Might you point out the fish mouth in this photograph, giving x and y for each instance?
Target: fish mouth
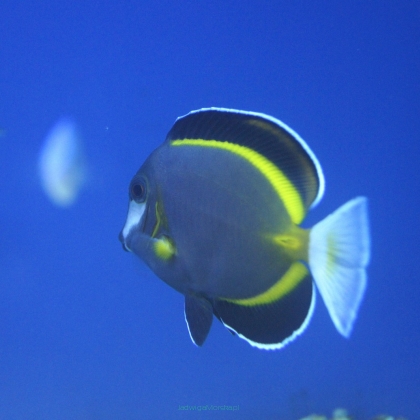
(122, 240)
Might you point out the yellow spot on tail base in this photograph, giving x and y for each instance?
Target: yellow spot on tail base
(294, 243)
(293, 276)
(164, 248)
(281, 184)
(288, 242)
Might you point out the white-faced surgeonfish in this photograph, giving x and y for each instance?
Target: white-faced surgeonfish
(215, 213)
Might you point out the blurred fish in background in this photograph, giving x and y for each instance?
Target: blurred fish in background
(62, 163)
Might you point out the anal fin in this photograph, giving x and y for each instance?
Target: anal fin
(270, 326)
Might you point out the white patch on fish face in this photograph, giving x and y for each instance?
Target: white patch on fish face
(134, 217)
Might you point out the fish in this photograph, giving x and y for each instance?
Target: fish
(62, 163)
(216, 211)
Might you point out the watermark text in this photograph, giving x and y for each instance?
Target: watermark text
(208, 407)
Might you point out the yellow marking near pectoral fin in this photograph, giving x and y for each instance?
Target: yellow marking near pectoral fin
(164, 248)
(284, 188)
(293, 276)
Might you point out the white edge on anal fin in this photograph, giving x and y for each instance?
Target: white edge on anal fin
(339, 252)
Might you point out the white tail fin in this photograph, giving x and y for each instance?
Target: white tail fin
(339, 251)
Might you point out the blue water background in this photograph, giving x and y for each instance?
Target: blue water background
(86, 330)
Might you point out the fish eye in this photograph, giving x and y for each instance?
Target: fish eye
(138, 191)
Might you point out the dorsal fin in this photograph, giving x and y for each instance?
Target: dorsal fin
(266, 135)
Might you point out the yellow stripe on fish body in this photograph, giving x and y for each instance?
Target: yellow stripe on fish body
(286, 191)
(293, 276)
